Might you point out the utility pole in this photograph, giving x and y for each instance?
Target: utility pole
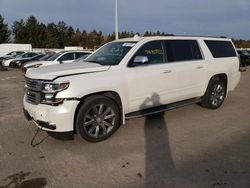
(116, 21)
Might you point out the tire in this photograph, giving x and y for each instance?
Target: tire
(98, 118)
(215, 94)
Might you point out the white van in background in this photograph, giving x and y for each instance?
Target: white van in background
(9, 47)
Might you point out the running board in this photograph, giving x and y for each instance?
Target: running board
(162, 108)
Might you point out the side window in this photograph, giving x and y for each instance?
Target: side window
(221, 48)
(79, 54)
(25, 55)
(182, 50)
(18, 53)
(67, 57)
(153, 50)
(31, 54)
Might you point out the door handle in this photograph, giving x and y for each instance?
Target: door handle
(200, 67)
(166, 71)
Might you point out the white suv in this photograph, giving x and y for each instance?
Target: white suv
(130, 78)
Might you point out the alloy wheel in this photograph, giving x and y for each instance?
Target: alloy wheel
(217, 94)
(99, 120)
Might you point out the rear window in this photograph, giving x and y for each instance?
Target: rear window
(182, 50)
(221, 49)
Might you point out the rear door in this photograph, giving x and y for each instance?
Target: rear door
(187, 69)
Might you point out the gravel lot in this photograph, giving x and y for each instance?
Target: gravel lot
(186, 147)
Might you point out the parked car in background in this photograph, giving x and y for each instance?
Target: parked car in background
(244, 57)
(11, 55)
(44, 58)
(58, 58)
(19, 62)
(26, 55)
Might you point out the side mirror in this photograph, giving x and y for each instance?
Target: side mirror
(140, 60)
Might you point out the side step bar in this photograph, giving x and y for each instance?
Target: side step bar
(162, 108)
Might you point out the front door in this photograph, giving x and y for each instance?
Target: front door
(147, 82)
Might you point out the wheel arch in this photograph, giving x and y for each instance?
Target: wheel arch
(221, 76)
(110, 94)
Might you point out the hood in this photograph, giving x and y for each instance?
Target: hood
(53, 71)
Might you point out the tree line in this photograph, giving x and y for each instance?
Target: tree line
(58, 35)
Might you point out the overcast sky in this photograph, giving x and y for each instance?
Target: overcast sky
(229, 18)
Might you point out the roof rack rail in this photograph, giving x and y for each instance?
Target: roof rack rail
(200, 36)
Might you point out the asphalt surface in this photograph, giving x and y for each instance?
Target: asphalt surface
(186, 147)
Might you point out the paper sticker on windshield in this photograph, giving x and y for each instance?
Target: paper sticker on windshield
(128, 44)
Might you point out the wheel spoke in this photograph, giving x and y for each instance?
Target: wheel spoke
(221, 97)
(86, 123)
(104, 128)
(109, 116)
(107, 124)
(95, 110)
(100, 109)
(219, 88)
(89, 116)
(215, 101)
(107, 111)
(91, 130)
(97, 130)
(109, 129)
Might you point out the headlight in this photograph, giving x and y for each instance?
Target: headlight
(50, 89)
(37, 65)
(4, 62)
(34, 66)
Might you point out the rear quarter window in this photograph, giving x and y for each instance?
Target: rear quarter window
(220, 49)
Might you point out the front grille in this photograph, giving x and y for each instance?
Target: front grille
(35, 85)
(33, 97)
(33, 90)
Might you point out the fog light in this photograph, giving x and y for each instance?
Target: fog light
(49, 96)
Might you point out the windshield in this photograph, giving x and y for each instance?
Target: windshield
(45, 57)
(16, 56)
(53, 57)
(111, 53)
(25, 55)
